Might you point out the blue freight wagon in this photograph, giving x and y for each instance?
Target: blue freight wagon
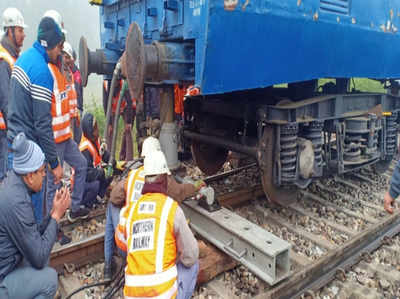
(256, 64)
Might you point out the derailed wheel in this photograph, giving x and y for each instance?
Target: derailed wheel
(267, 156)
(208, 158)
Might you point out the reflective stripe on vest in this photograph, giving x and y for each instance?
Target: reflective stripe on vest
(7, 57)
(59, 106)
(86, 144)
(151, 269)
(171, 293)
(135, 183)
(73, 98)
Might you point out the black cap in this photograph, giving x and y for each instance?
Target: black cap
(49, 33)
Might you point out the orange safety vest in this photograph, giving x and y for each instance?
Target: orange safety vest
(179, 94)
(133, 186)
(151, 270)
(4, 55)
(60, 110)
(72, 96)
(86, 144)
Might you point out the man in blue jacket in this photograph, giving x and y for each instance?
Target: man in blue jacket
(25, 246)
(31, 88)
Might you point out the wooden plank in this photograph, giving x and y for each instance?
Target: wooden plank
(83, 252)
(236, 198)
(212, 262)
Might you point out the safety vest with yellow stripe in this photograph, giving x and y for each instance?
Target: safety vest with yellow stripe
(72, 96)
(60, 110)
(133, 186)
(7, 57)
(86, 144)
(151, 270)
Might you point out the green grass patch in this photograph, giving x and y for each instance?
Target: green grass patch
(361, 84)
(96, 108)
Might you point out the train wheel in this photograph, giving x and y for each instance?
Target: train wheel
(208, 158)
(279, 195)
(382, 166)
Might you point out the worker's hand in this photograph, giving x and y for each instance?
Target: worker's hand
(120, 165)
(103, 148)
(199, 184)
(388, 203)
(108, 171)
(61, 202)
(57, 173)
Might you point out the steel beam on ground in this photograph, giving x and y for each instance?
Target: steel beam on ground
(261, 252)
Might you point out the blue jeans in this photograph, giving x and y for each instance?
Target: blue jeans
(112, 219)
(76, 130)
(90, 194)
(68, 151)
(187, 278)
(3, 154)
(36, 198)
(37, 201)
(26, 282)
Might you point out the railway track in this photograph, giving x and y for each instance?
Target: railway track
(333, 225)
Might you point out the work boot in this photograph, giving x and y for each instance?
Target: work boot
(62, 238)
(82, 213)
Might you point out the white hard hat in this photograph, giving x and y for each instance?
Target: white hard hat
(12, 17)
(155, 163)
(68, 49)
(150, 144)
(55, 15)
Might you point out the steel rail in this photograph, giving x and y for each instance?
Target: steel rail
(324, 270)
(78, 253)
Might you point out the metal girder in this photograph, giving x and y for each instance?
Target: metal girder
(266, 255)
(328, 107)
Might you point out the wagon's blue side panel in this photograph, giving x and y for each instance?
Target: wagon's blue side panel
(246, 44)
(271, 42)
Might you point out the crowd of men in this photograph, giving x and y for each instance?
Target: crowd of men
(41, 127)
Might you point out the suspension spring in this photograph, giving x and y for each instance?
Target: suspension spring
(288, 152)
(313, 132)
(391, 134)
(352, 147)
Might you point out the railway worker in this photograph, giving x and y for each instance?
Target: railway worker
(96, 181)
(31, 89)
(78, 85)
(128, 112)
(10, 47)
(394, 190)
(67, 149)
(68, 65)
(24, 245)
(162, 253)
(129, 190)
